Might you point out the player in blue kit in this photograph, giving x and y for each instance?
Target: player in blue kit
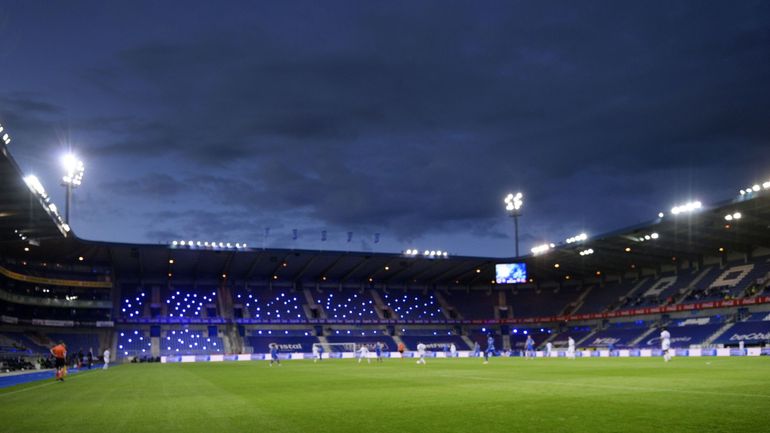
(274, 354)
(378, 351)
(530, 347)
(490, 349)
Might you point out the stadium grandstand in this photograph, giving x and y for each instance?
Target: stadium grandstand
(703, 271)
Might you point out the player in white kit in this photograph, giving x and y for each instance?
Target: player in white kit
(453, 350)
(548, 348)
(570, 348)
(363, 353)
(315, 353)
(421, 353)
(106, 359)
(665, 344)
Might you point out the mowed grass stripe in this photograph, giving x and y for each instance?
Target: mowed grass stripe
(446, 395)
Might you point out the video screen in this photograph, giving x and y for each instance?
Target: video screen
(511, 273)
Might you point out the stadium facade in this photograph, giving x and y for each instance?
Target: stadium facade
(702, 271)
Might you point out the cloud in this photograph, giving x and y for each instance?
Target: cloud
(415, 121)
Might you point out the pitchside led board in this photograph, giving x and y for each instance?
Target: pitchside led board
(511, 273)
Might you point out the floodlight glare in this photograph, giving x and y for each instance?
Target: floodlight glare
(73, 170)
(755, 188)
(34, 184)
(687, 207)
(513, 204)
(766, 185)
(73, 177)
(541, 248)
(579, 238)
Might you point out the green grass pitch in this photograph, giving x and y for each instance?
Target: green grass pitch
(446, 395)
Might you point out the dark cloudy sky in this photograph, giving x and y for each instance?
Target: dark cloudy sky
(212, 121)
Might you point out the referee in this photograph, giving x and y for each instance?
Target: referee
(59, 353)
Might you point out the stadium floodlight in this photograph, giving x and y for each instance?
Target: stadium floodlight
(686, 208)
(6, 137)
(34, 184)
(766, 185)
(541, 248)
(755, 188)
(579, 238)
(661, 214)
(587, 252)
(73, 177)
(513, 204)
(733, 216)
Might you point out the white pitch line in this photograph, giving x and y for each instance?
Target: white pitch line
(619, 387)
(3, 394)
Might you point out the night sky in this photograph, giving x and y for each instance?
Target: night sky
(408, 119)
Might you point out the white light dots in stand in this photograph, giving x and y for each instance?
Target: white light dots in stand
(733, 216)
(587, 252)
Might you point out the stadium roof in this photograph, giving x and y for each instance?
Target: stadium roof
(683, 238)
(24, 213)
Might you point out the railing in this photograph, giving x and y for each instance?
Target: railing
(54, 281)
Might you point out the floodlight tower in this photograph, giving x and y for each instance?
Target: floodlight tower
(513, 205)
(73, 177)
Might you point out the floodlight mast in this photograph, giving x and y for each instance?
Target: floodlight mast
(513, 204)
(73, 176)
